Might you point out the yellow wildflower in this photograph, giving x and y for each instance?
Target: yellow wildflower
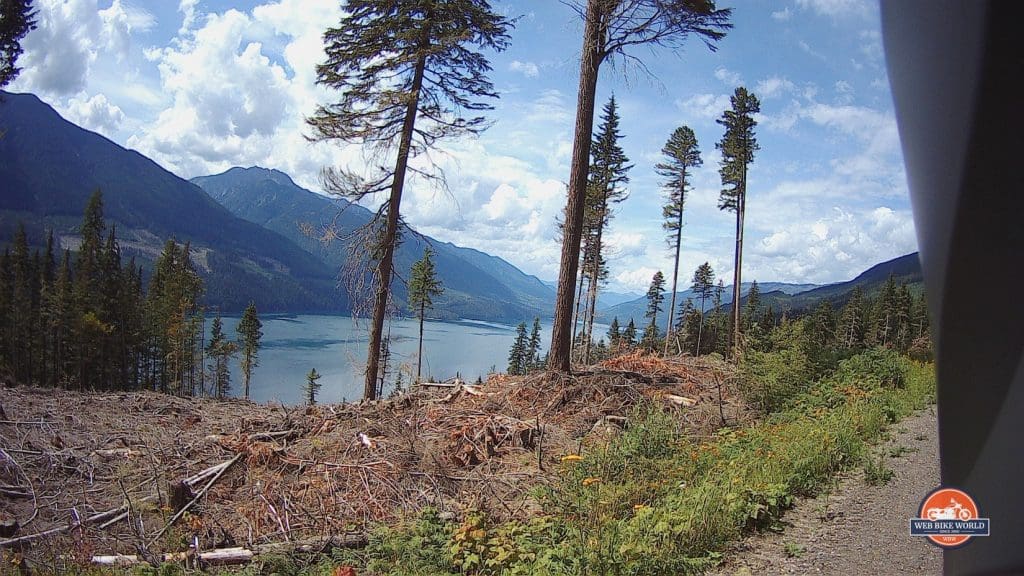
(572, 458)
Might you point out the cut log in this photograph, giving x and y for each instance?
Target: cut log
(680, 400)
(239, 555)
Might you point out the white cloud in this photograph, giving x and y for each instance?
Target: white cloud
(773, 87)
(95, 113)
(840, 244)
(704, 106)
(844, 92)
(836, 8)
(528, 69)
(782, 15)
(729, 77)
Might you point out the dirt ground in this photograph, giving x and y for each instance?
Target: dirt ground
(856, 529)
(143, 473)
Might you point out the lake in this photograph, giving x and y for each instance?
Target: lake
(336, 347)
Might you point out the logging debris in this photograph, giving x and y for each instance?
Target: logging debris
(141, 475)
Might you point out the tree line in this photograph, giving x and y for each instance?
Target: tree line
(82, 318)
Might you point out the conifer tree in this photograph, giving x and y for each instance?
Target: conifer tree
(17, 19)
(614, 334)
(682, 156)
(220, 350)
(702, 285)
(629, 334)
(655, 296)
(852, 326)
(517, 355)
(608, 174)
(533, 347)
(753, 305)
(737, 145)
(249, 334)
(406, 71)
(312, 387)
(612, 28)
(424, 286)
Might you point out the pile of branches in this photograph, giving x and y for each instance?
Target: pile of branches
(147, 475)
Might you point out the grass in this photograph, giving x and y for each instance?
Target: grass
(794, 550)
(653, 502)
(876, 473)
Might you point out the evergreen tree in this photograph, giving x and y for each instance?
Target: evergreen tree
(852, 327)
(249, 334)
(629, 334)
(608, 174)
(312, 387)
(883, 320)
(220, 350)
(655, 296)
(753, 305)
(614, 334)
(702, 285)
(682, 156)
(20, 315)
(406, 70)
(533, 347)
(424, 286)
(17, 19)
(738, 145)
(517, 356)
(820, 330)
(613, 28)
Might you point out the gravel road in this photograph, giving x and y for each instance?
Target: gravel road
(856, 529)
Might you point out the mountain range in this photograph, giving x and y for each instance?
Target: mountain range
(249, 231)
(476, 285)
(244, 234)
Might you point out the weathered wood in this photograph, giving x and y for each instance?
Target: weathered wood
(223, 468)
(239, 555)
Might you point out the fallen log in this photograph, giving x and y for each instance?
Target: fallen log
(223, 468)
(238, 555)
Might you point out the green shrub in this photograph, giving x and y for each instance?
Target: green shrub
(772, 379)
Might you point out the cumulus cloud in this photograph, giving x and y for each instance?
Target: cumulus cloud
(528, 69)
(96, 113)
(704, 106)
(729, 77)
(782, 15)
(773, 87)
(69, 39)
(840, 244)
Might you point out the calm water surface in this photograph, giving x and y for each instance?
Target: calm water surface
(336, 347)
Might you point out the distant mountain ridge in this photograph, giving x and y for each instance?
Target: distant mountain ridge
(637, 307)
(49, 167)
(477, 285)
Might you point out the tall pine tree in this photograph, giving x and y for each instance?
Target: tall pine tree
(737, 146)
(249, 334)
(406, 71)
(424, 286)
(682, 155)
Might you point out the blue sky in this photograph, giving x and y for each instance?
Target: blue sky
(201, 85)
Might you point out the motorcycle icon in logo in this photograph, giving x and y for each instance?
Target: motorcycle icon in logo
(955, 511)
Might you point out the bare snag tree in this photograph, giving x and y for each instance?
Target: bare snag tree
(613, 27)
(410, 73)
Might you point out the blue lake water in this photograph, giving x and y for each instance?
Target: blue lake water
(336, 347)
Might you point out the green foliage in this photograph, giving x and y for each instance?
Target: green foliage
(16, 20)
(249, 333)
(771, 379)
(876, 473)
(518, 355)
(312, 386)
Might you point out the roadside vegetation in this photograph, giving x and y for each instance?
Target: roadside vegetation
(656, 499)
